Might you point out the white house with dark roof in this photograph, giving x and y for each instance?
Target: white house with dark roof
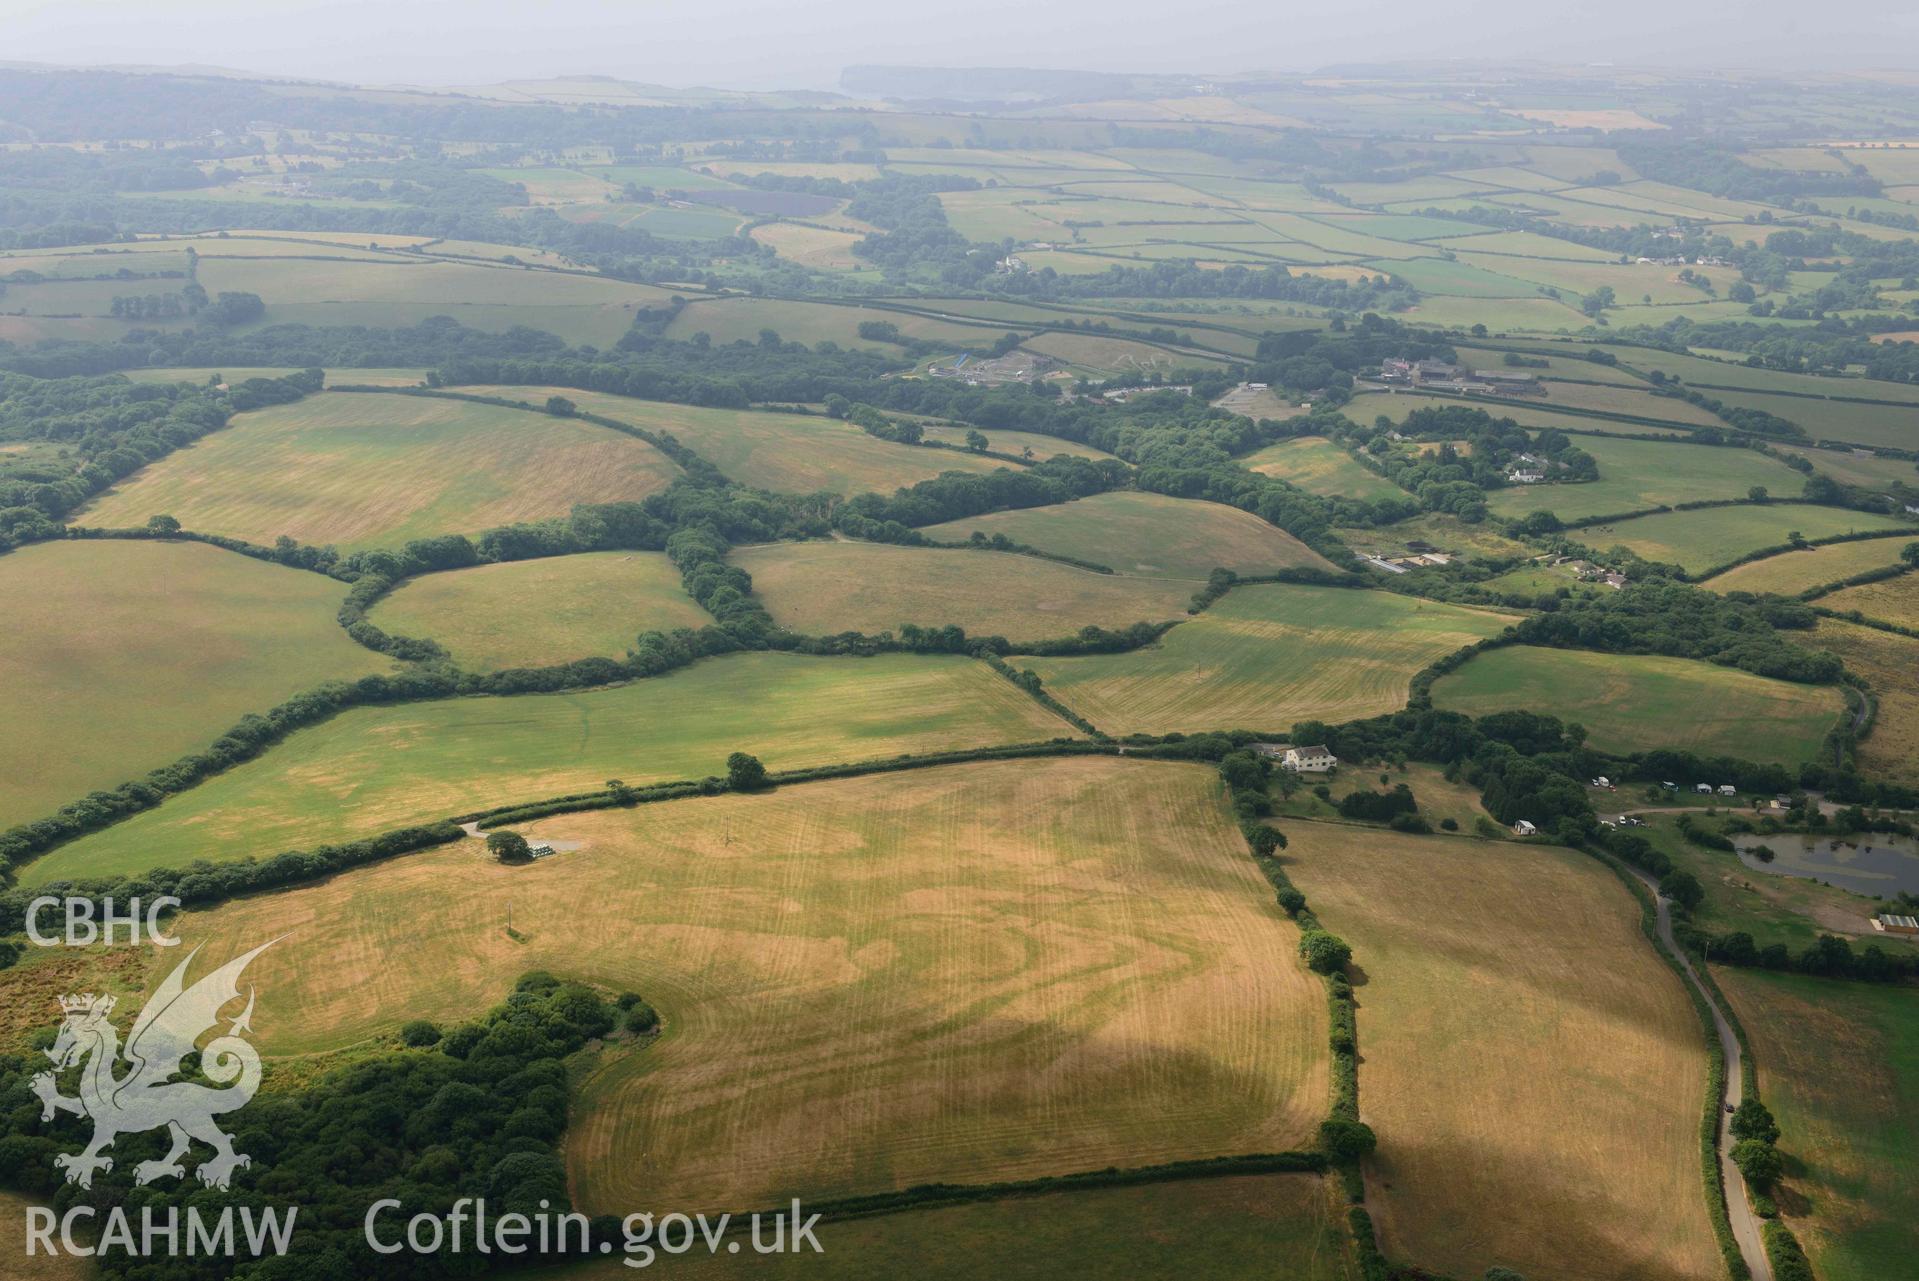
(1309, 760)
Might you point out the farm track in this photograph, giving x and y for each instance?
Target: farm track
(1745, 1224)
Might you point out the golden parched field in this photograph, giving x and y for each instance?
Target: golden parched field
(1151, 535)
(119, 657)
(981, 972)
(1890, 662)
(532, 613)
(1533, 1070)
(1266, 656)
(371, 769)
(789, 453)
(363, 470)
(1891, 600)
(1790, 573)
(822, 588)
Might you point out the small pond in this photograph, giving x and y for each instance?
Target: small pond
(1866, 863)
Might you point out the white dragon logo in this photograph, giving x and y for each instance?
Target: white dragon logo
(146, 1097)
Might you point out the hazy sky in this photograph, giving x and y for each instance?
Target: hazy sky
(804, 43)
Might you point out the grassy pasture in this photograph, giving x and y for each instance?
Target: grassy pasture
(1316, 464)
(792, 453)
(817, 247)
(1446, 278)
(1839, 1067)
(1013, 442)
(1790, 573)
(987, 971)
(1636, 474)
(1446, 532)
(827, 587)
(1265, 657)
(1396, 405)
(1099, 354)
(1891, 600)
(729, 320)
(364, 377)
(1701, 539)
(1894, 425)
(1534, 1072)
(1501, 315)
(1238, 1229)
(1635, 702)
(364, 470)
(1891, 663)
(1150, 535)
(1633, 401)
(333, 291)
(532, 613)
(375, 768)
(1560, 363)
(121, 656)
(1868, 471)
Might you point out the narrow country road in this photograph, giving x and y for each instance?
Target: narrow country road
(1745, 1224)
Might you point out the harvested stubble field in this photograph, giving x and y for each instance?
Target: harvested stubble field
(1012, 442)
(121, 656)
(1839, 1067)
(1147, 534)
(1638, 702)
(1708, 537)
(363, 470)
(1515, 1027)
(1891, 600)
(1890, 662)
(1790, 573)
(533, 613)
(788, 453)
(1236, 1229)
(1638, 474)
(1266, 656)
(823, 588)
(1317, 465)
(988, 971)
(371, 769)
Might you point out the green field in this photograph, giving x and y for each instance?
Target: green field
(120, 657)
(533, 613)
(1790, 573)
(822, 588)
(1839, 1067)
(1435, 529)
(1890, 662)
(363, 377)
(1636, 702)
(1533, 1071)
(337, 290)
(988, 971)
(370, 470)
(1021, 443)
(1698, 541)
(1637, 474)
(374, 768)
(1267, 656)
(1146, 534)
(732, 320)
(1856, 424)
(1237, 1229)
(1367, 406)
(788, 453)
(1319, 466)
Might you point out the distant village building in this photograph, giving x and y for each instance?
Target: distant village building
(1507, 383)
(1727, 789)
(1893, 923)
(1525, 476)
(1309, 760)
(1524, 828)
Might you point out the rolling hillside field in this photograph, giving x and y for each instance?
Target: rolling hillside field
(535, 613)
(1710, 537)
(1266, 656)
(1150, 535)
(121, 656)
(1790, 573)
(790, 453)
(1890, 662)
(1513, 1024)
(373, 470)
(986, 971)
(374, 768)
(1839, 1067)
(1319, 466)
(822, 588)
(1235, 1229)
(1635, 702)
(1637, 474)
(1891, 600)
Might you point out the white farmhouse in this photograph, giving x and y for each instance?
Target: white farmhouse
(1524, 828)
(1309, 760)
